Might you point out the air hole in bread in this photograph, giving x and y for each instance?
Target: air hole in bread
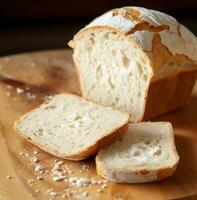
(112, 86)
(136, 153)
(113, 52)
(50, 107)
(147, 142)
(158, 152)
(125, 62)
(106, 36)
(117, 99)
(139, 67)
(71, 126)
(40, 132)
(145, 77)
(99, 71)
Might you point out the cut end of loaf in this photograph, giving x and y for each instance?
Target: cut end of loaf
(112, 71)
(71, 127)
(146, 153)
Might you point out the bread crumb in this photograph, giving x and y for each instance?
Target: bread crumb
(35, 160)
(53, 194)
(99, 191)
(19, 90)
(39, 169)
(104, 186)
(39, 178)
(8, 177)
(30, 181)
(80, 182)
(30, 96)
(85, 194)
(58, 178)
(35, 152)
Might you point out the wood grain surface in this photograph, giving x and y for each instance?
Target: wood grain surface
(25, 82)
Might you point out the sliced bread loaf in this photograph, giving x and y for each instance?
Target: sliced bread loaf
(131, 57)
(71, 127)
(145, 153)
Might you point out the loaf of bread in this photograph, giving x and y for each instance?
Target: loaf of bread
(71, 127)
(140, 61)
(146, 153)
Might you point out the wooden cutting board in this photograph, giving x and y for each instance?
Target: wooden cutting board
(25, 81)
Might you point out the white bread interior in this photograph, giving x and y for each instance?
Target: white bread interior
(122, 52)
(145, 153)
(71, 127)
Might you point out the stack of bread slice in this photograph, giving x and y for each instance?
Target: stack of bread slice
(135, 64)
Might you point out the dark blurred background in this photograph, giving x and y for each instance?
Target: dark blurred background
(29, 25)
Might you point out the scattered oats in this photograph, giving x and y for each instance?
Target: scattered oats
(37, 191)
(39, 169)
(8, 177)
(85, 194)
(8, 94)
(46, 171)
(19, 90)
(39, 178)
(21, 153)
(26, 154)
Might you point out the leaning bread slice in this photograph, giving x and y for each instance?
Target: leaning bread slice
(71, 127)
(145, 153)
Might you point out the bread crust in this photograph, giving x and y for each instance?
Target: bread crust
(167, 94)
(177, 87)
(143, 174)
(109, 137)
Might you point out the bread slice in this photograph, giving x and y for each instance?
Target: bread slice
(146, 153)
(71, 127)
(131, 57)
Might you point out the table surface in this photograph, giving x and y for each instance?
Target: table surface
(25, 81)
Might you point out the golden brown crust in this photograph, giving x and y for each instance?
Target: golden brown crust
(168, 94)
(166, 172)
